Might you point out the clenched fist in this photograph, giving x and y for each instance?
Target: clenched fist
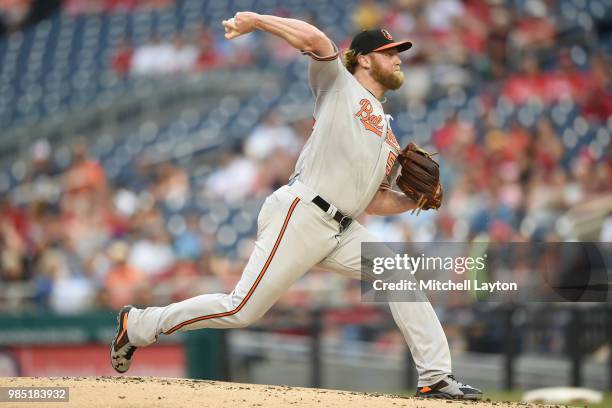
(242, 23)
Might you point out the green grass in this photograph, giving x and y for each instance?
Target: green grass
(515, 396)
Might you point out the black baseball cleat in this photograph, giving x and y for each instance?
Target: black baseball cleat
(122, 350)
(449, 388)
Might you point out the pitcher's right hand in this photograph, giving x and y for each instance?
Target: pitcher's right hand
(242, 23)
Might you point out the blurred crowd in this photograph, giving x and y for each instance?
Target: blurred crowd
(78, 7)
(71, 238)
(181, 54)
(13, 13)
(16, 15)
(76, 238)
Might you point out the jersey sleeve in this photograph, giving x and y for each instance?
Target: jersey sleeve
(324, 71)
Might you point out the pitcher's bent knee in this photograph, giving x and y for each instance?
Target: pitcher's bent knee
(246, 317)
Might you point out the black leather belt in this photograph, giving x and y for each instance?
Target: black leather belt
(342, 219)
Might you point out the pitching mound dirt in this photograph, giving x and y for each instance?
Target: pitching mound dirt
(124, 392)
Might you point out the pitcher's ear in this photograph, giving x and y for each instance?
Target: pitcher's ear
(364, 61)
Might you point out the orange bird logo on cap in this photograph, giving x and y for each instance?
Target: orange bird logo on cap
(386, 34)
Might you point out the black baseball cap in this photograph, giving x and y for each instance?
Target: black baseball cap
(377, 39)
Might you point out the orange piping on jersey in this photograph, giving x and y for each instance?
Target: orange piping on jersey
(259, 277)
(317, 58)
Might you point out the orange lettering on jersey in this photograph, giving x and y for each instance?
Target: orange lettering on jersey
(391, 140)
(369, 121)
(390, 162)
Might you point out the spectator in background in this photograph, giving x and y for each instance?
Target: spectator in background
(400, 19)
(207, 55)
(598, 103)
(183, 280)
(274, 147)
(591, 179)
(44, 227)
(120, 6)
(72, 295)
(233, 166)
(122, 59)
(496, 48)
(84, 181)
(40, 182)
(122, 279)
(154, 4)
(13, 253)
(85, 223)
(455, 133)
(13, 13)
(467, 35)
(274, 171)
(545, 196)
(86, 204)
(442, 14)
(567, 81)
(528, 84)
(185, 55)
(49, 267)
(126, 203)
(189, 244)
(152, 252)
(367, 15)
(156, 57)
(63, 290)
(548, 149)
(494, 214)
(535, 31)
(147, 217)
(237, 53)
(13, 218)
(77, 7)
(139, 176)
(172, 186)
(42, 165)
(270, 135)
(85, 174)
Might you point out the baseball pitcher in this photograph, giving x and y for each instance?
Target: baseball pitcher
(346, 167)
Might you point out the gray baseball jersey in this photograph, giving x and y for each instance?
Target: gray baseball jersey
(348, 156)
(345, 161)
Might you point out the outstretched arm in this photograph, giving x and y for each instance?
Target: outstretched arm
(389, 202)
(301, 35)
